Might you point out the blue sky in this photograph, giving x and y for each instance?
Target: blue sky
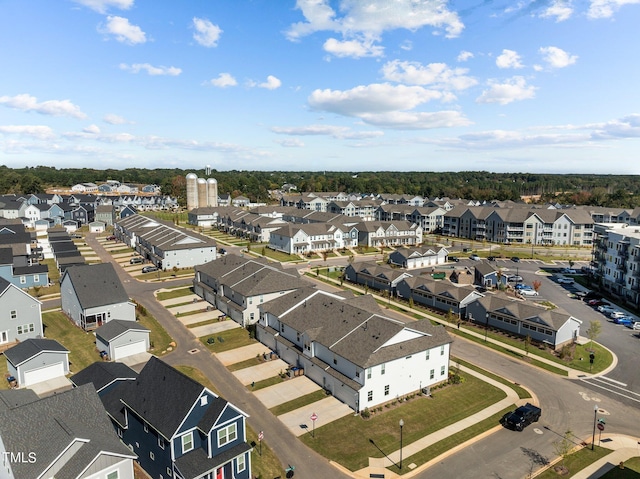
(350, 85)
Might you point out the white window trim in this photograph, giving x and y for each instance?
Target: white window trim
(227, 429)
(241, 463)
(189, 437)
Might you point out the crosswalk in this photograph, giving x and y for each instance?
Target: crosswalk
(613, 387)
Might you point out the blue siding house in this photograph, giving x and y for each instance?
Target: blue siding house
(179, 428)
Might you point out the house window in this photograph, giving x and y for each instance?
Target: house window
(152, 456)
(432, 374)
(169, 473)
(36, 278)
(442, 371)
(357, 374)
(14, 314)
(370, 396)
(146, 427)
(204, 400)
(23, 280)
(160, 442)
(31, 328)
(187, 442)
(382, 368)
(442, 350)
(19, 329)
(386, 390)
(241, 463)
(368, 373)
(227, 434)
(113, 475)
(427, 355)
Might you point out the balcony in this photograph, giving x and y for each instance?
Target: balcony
(621, 267)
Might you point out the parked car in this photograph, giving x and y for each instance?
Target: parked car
(596, 302)
(491, 258)
(635, 326)
(111, 238)
(454, 259)
(616, 314)
(581, 294)
(222, 251)
(606, 309)
(565, 280)
(521, 417)
(625, 320)
(528, 292)
(515, 278)
(136, 260)
(569, 271)
(592, 295)
(149, 269)
(474, 257)
(515, 259)
(522, 286)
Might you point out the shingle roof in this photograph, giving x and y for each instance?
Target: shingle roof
(101, 374)
(116, 327)
(196, 464)
(96, 285)
(49, 426)
(29, 348)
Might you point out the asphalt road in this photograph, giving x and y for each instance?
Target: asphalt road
(567, 405)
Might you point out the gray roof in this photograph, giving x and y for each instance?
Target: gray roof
(358, 334)
(96, 285)
(117, 327)
(12, 398)
(49, 426)
(196, 464)
(101, 374)
(30, 348)
(441, 288)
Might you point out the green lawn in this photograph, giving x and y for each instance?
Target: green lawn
(176, 292)
(3, 371)
(347, 439)
(232, 338)
(577, 461)
(158, 337)
(631, 470)
(81, 344)
(244, 364)
(522, 392)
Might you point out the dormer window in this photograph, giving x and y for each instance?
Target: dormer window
(187, 442)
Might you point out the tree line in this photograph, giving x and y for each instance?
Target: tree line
(596, 190)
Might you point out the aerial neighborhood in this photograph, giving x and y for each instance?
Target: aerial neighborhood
(339, 302)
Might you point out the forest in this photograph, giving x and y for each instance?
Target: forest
(597, 190)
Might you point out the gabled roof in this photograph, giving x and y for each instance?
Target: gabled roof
(117, 327)
(102, 374)
(29, 348)
(441, 287)
(50, 426)
(485, 268)
(96, 285)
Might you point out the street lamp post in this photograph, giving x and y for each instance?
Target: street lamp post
(401, 425)
(595, 416)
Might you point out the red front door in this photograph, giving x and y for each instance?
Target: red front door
(219, 474)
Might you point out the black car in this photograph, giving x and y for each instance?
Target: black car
(521, 417)
(222, 251)
(454, 259)
(491, 258)
(515, 259)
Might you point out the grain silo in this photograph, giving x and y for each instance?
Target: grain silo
(202, 192)
(192, 191)
(212, 192)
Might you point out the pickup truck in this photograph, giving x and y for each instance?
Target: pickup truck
(521, 417)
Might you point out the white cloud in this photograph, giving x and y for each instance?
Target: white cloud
(93, 129)
(26, 102)
(561, 10)
(290, 143)
(557, 58)
(625, 127)
(123, 30)
(113, 119)
(150, 69)
(338, 132)
(374, 98)
(464, 56)
(353, 48)
(101, 6)
(223, 80)
(606, 8)
(508, 59)
(512, 90)
(206, 33)
(407, 45)
(408, 120)
(39, 132)
(272, 83)
(438, 75)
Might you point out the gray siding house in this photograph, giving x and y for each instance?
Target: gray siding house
(20, 315)
(121, 339)
(36, 360)
(441, 295)
(92, 295)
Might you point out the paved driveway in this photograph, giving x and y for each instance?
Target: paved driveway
(213, 328)
(241, 354)
(327, 410)
(286, 391)
(262, 371)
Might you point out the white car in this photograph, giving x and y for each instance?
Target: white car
(528, 292)
(606, 309)
(565, 280)
(569, 271)
(616, 314)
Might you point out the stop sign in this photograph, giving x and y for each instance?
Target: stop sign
(314, 416)
(600, 426)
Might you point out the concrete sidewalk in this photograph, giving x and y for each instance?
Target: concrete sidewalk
(623, 448)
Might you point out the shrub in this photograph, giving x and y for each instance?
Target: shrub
(365, 413)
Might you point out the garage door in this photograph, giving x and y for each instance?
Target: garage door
(43, 374)
(129, 349)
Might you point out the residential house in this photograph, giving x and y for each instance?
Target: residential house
(349, 347)
(85, 188)
(237, 286)
(418, 257)
(177, 427)
(553, 327)
(20, 315)
(92, 295)
(67, 435)
(106, 214)
(375, 234)
(36, 360)
(488, 276)
(375, 276)
(240, 201)
(311, 237)
(104, 376)
(437, 294)
(16, 270)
